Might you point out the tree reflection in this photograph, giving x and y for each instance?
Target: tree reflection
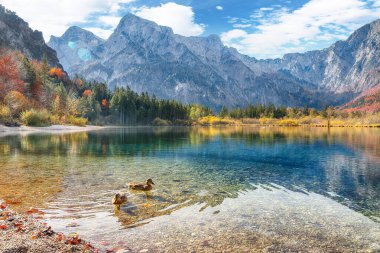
(193, 165)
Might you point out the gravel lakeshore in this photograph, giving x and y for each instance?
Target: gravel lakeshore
(21, 233)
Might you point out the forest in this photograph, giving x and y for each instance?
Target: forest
(33, 93)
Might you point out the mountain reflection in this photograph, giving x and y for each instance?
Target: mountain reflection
(193, 165)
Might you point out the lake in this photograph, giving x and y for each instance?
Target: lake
(227, 189)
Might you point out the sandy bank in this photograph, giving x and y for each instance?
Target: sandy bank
(23, 130)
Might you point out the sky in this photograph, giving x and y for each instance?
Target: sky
(259, 28)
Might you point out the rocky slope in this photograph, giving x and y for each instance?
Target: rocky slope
(15, 34)
(346, 66)
(368, 101)
(151, 58)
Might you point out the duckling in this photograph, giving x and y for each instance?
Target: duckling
(147, 186)
(119, 199)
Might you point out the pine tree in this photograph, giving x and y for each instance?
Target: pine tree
(223, 112)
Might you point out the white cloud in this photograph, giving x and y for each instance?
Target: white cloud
(233, 37)
(317, 22)
(376, 3)
(219, 8)
(266, 9)
(241, 25)
(179, 17)
(54, 17)
(102, 33)
(111, 21)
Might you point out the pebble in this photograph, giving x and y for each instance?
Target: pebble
(206, 243)
(123, 251)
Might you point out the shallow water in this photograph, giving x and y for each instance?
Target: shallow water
(230, 189)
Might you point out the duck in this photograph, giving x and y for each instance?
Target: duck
(119, 199)
(147, 186)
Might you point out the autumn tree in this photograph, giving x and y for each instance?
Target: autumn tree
(57, 73)
(9, 76)
(105, 107)
(86, 93)
(16, 101)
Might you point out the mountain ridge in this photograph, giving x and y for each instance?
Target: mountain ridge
(17, 35)
(148, 57)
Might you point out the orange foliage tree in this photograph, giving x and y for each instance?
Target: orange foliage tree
(104, 103)
(87, 93)
(104, 107)
(9, 76)
(56, 72)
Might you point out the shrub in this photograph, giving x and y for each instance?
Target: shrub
(182, 122)
(77, 121)
(35, 118)
(214, 120)
(5, 113)
(161, 122)
(55, 119)
(267, 121)
(288, 122)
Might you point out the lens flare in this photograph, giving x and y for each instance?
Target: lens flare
(84, 54)
(71, 44)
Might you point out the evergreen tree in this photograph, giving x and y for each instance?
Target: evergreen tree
(30, 75)
(223, 112)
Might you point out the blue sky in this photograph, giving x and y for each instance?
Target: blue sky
(260, 28)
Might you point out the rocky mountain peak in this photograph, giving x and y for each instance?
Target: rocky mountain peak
(17, 35)
(77, 33)
(75, 47)
(131, 23)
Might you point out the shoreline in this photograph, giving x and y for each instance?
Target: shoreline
(284, 125)
(26, 232)
(62, 129)
(24, 130)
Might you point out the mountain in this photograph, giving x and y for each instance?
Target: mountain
(75, 47)
(346, 66)
(368, 101)
(16, 35)
(149, 57)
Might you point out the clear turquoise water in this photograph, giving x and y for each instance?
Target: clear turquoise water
(236, 189)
